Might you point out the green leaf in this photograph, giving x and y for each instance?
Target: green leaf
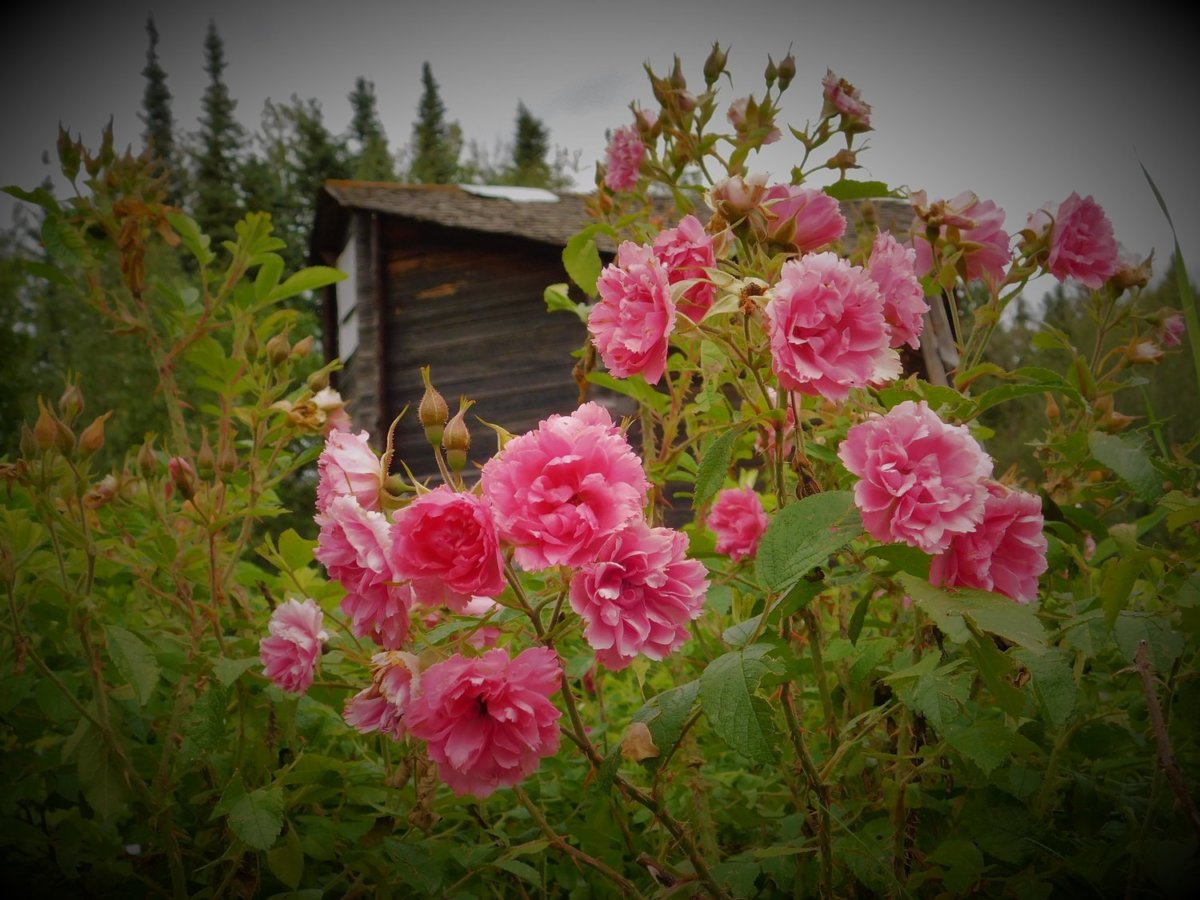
(267, 279)
(134, 661)
(738, 634)
(581, 259)
(230, 670)
(64, 243)
(193, 238)
(847, 189)
(295, 550)
(1117, 576)
(741, 718)
(522, 870)
(101, 776)
(557, 300)
(713, 466)
(803, 535)
(309, 279)
(937, 694)
(45, 271)
(903, 557)
(257, 817)
(1129, 461)
(287, 860)
(963, 863)
(665, 715)
(39, 196)
(987, 743)
(995, 667)
(635, 387)
(1165, 642)
(1015, 622)
(1053, 682)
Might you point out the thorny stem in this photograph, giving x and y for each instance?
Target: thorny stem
(817, 786)
(814, 644)
(1166, 753)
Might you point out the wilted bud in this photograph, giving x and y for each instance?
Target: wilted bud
(842, 160)
(456, 439)
(302, 347)
(92, 438)
(183, 476)
(786, 71)
(205, 460)
(45, 429)
(147, 459)
(1144, 353)
(101, 493)
(714, 65)
(638, 744)
(433, 411)
(278, 349)
(70, 404)
(772, 72)
(1134, 274)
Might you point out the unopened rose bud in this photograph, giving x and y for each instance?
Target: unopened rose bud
(318, 381)
(70, 404)
(1053, 413)
(29, 444)
(92, 438)
(147, 459)
(227, 460)
(772, 72)
(714, 65)
(787, 71)
(251, 345)
(678, 82)
(456, 439)
(205, 460)
(302, 347)
(278, 350)
(45, 429)
(183, 476)
(64, 437)
(433, 411)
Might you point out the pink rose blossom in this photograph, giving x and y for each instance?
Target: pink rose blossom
(1171, 329)
(1082, 245)
(738, 520)
(1005, 553)
(891, 267)
(445, 542)
(330, 404)
(488, 722)
(380, 611)
(624, 159)
(744, 116)
(395, 680)
(685, 252)
(559, 491)
(290, 654)
(632, 323)
(802, 218)
(826, 326)
(921, 481)
(348, 467)
(981, 236)
(639, 594)
(841, 97)
(737, 198)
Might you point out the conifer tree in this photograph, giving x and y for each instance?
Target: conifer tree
(216, 157)
(156, 114)
(530, 146)
(435, 143)
(372, 161)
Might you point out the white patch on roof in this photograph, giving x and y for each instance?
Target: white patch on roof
(511, 192)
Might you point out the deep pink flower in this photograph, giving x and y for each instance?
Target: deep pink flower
(981, 235)
(445, 542)
(290, 654)
(632, 323)
(803, 218)
(826, 326)
(1082, 245)
(685, 252)
(559, 491)
(921, 481)
(348, 467)
(379, 610)
(639, 594)
(488, 722)
(395, 679)
(891, 267)
(1005, 553)
(624, 159)
(738, 520)
(841, 97)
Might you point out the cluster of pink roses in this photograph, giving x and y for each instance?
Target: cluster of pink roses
(928, 484)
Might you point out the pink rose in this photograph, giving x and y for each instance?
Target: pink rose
(685, 252)
(348, 467)
(842, 98)
(921, 481)
(445, 542)
(559, 491)
(1171, 328)
(1082, 245)
(738, 520)
(736, 198)
(745, 117)
(488, 722)
(826, 327)
(891, 267)
(330, 404)
(624, 159)
(802, 218)
(1005, 553)
(639, 594)
(395, 679)
(289, 656)
(632, 323)
(380, 611)
(981, 235)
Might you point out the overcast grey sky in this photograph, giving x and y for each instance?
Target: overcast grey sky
(1022, 103)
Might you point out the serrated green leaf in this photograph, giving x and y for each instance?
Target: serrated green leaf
(267, 279)
(197, 243)
(39, 196)
(581, 259)
(286, 861)
(1053, 682)
(1015, 622)
(134, 661)
(1165, 642)
(736, 713)
(937, 694)
(665, 715)
(988, 743)
(996, 667)
(803, 535)
(296, 551)
(713, 465)
(228, 671)
(848, 189)
(1129, 461)
(310, 279)
(522, 870)
(100, 776)
(257, 817)
(635, 387)
(736, 635)
(64, 243)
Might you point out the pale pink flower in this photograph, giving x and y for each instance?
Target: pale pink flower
(1144, 353)
(639, 594)
(743, 115)
(1171, 329)
(841, 97)
(891, 267)
(445, 542)
(921, 481)
(1082, 245)
(736, 198)
(331, 405)
(488, 722)
(624, 159)
(348, 467)
(802, 218)
(632, 323)
(1005, 553)
(685, 252)
(289, 656)
(559, 491)
(826, 327)
(395, 680)
(738, 520)
(981, 235)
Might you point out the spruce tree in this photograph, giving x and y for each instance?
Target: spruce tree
(435, 143)
(156, 114)
(372, 161)
(216, 202)
(530, 146)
